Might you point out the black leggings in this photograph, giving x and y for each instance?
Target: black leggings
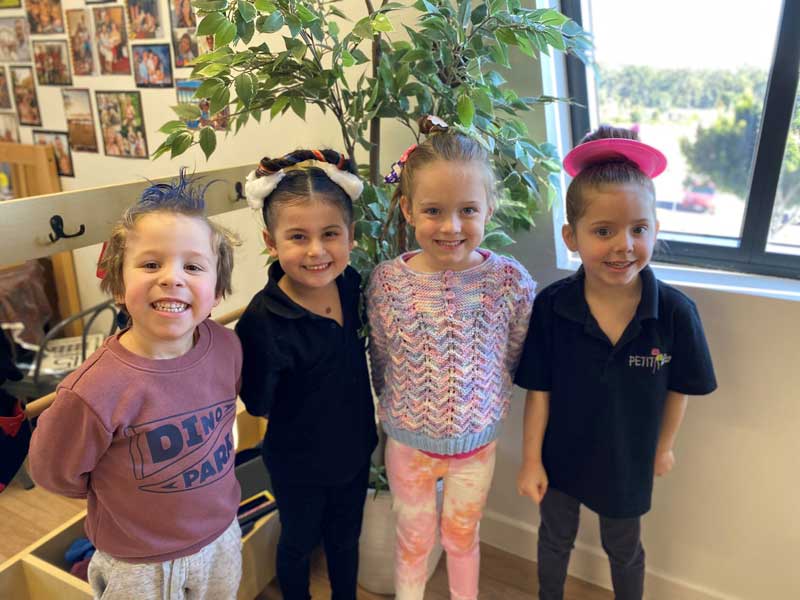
(310, 514)
(621, 541)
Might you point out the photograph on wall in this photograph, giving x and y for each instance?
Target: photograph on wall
(80, 42)
(45, 16)
(80, 120)
(151, 65)
(14, 40)
(25, 96)
(112, 40)
(5, 92)
(58, 141)
(184, 44)
(144, 19)
(182, 14)
(52, 62)
(185, 89)
(122, 124)
(10, 3)
(9, 128)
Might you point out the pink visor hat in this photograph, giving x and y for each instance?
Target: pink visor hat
(649, 160)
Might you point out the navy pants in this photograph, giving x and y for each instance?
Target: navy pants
(621, 541)
(312, 513)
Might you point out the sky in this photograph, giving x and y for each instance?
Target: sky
(685, 33)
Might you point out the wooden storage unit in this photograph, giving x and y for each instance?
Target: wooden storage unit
(40, 572)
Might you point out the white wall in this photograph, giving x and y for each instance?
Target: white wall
(723, 523)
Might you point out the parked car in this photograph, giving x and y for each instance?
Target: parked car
(699, 198)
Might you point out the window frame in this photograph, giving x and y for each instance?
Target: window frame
(750, 256)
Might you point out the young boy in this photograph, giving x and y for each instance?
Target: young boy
(143, 429)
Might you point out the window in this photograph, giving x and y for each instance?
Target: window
(713, 85)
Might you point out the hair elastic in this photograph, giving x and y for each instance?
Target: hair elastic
(649, 160)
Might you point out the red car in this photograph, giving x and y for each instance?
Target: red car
(699, 198)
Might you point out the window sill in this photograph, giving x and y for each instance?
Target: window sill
(734, 283)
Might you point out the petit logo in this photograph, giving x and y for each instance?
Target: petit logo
(654, 361)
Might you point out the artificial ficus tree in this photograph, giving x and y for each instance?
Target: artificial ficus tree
(362, 69)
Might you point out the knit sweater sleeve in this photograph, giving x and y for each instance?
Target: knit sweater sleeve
(521, 315)
(378, 340)
(67, 444)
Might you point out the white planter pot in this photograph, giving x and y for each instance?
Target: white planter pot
(376, 546)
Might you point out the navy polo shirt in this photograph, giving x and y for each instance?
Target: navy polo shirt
(607, 401)
(309, 376)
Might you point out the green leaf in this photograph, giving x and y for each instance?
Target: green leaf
(466, 110)
(496, 239)
(210, 5)
(211, 23)
(225, 34)
(464, 12)
(482, 101)
(213, 69)
(162, 149)
(266, 6)
(245, 86)
(347, 59)
(270, 24)
(181, 143)
(296, 47)
(415, 54)
(219, 101)
(299, 107)
(363, 28)
(381, 23)
(294, 24)
(553, 18)
(209, 87)
(278, 105)
(208, 141)
(246, 10)
(171, 126)
(360, 57)
(245, 30)
(186, 111)
(306, 16)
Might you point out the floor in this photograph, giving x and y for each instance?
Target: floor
(26, 515)
(504, 576)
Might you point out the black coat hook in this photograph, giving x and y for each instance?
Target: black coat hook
(57, 225)
(239, 195)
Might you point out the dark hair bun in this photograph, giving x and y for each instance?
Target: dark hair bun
(605, 132)
(430, 124)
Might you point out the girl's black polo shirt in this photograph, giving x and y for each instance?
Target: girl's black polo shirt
(606, 402)
(309, 376)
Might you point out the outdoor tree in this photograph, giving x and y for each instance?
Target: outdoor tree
(724, 153)
(361, 69)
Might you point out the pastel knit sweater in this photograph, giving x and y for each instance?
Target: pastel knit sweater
(444, 347)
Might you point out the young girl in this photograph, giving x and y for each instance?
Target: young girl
(447, 323)
(609, 359)
(305, 366)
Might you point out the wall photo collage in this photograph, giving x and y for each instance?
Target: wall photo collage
(60, 42)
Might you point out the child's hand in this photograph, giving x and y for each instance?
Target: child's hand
(532, 481)
(665, 460)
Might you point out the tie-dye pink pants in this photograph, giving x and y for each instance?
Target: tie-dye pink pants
(412, 478)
